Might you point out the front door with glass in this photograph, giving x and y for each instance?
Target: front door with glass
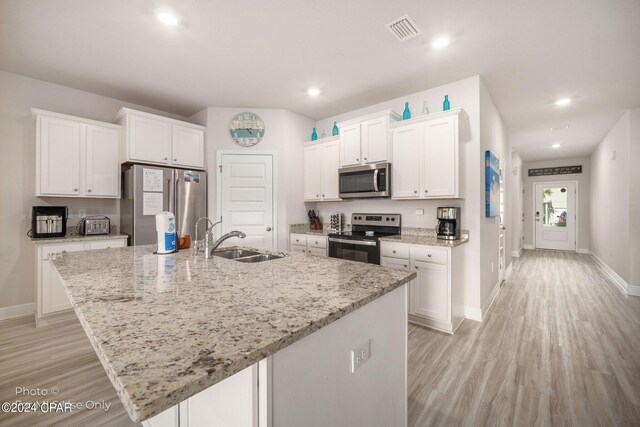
(555, 215)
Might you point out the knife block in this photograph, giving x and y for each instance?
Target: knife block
(315, 224)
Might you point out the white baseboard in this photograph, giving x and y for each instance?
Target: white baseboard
(516, 254)
(622, 284)
(528, 247)
(15, 311)
(478, 315)
(508, 271)
(583, 251)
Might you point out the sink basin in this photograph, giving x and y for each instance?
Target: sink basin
(235, 253)
(259, 258)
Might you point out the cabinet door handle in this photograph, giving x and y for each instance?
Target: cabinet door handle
(89, 190)
(175, 160)
(416, 267)
(426, 191)
(365, 159)
(268, 228)
(165, 158)
(75, 189)
(394, 251)
(415, 191)
(323, 195)
(405, 266)
(357, 160)
(429, 255)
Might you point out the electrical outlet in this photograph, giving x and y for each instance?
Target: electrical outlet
(360, 355)
(419, 212)
(82, 213)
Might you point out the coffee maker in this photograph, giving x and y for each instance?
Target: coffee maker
(448, 223)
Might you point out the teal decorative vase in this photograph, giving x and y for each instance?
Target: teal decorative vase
(406, 115)
(445, 105)
(314, 135)
(335, 131)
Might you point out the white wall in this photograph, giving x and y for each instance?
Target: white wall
(466, 94)
(584, 196)
(517, 201)
(493, 136)
(284, 134)
(610, 191)
(634, 197)
(17, 182)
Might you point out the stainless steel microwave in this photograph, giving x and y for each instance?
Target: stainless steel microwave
(365, 181)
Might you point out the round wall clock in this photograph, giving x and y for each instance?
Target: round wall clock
(246, 129)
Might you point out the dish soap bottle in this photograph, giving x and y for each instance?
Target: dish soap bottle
(406, 115)
(334, 132)
(445, 105)
(314, 135)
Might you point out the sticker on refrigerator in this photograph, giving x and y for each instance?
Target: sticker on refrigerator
(192, 177)
(151, 203)
(152, 180)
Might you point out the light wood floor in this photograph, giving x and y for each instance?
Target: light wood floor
(560, 346)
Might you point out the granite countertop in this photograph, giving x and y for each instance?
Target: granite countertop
(167, 327)
(410, 235)
(69, 238)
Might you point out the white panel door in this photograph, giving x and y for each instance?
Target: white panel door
(246, 197)
(148, 139)
(350, 145)
(59, 151)
(187, 146)
(375, 140)
(102, 162)
(440, 166)
(430, 291)
(555, 215)
(406, 145)
(312, 173)
(330, 163)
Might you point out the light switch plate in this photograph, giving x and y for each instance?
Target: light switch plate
(419, 212)
(360, 355)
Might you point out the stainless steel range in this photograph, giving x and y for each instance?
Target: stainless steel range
(362, 243)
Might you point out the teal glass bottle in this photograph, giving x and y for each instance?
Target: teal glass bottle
(314, 135)
(445, 105)
(406, 115)
(334, 132)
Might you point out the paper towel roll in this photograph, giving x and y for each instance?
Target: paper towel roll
(165, 233)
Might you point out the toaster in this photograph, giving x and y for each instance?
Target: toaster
(91, 226)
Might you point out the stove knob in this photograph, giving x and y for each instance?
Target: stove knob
(387, 218)
(393, 219)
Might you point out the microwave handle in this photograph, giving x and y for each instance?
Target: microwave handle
(375, 180)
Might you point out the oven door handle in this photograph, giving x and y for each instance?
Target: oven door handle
(354, 242)
(375, 180)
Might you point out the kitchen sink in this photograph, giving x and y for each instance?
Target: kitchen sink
(259, 258)
(235, 253)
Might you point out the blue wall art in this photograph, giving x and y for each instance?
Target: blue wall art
(492, 184)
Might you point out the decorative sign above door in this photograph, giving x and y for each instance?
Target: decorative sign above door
(558, 170)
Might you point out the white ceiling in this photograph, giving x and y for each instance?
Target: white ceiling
(267, 53)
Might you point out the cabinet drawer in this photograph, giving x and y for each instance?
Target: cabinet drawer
(394, 250)
(322, 252)
(105, 244)
(299, 248)
(316, 242)
(429, 254)
(395, 263)
(54, 249)
(298, 239)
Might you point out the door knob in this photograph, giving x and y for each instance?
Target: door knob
(269, 229)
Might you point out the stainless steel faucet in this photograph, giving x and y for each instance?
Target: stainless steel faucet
(207, 236)
(229, 235)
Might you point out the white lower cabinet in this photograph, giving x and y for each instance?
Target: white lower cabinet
(309, 244)
(50, 295)
(436, 296)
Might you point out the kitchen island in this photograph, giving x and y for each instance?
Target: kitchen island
(273, 342)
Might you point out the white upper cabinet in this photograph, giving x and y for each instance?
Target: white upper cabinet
(330, 163)
(321, 164)
(405, 170)
(76, 157)
(428, 158)
(160, 140)
(187, 146)
(312, 171)
(148, 139)
(350, 145)
(366, 139)
(57, 156)
(102, 162)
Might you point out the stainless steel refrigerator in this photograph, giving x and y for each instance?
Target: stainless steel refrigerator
(148, 190)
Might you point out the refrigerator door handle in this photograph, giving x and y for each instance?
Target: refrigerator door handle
(175, 202)
(170, 199)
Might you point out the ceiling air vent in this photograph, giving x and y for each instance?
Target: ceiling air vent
(403, 28)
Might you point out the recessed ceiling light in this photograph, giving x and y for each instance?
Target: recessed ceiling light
(313, 91)
(440, 42)
(563, 101)
(167, 18)
(556, 146)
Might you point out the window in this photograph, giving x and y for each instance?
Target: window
(554, 207)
